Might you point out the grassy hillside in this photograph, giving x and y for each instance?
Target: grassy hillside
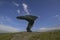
(53, 35)
(5, 36)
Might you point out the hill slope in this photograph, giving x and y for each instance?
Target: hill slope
(53, 35)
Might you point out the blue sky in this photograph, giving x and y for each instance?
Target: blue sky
(48, 12)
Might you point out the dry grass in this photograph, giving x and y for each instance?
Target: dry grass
(54, 35)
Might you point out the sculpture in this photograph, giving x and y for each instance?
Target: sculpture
(30, 19)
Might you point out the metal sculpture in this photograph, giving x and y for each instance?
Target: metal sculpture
(30, 19)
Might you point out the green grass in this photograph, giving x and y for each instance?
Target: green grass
(5, 36)
(47, 36)
(53, 35)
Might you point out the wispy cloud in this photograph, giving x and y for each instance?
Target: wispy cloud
(48, 29)
(25, 6)
(18, 11)
(57, 17)
(6, 29)
(5, 19)
(16, 4)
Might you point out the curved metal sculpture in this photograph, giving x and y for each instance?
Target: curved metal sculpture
(30, 19)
